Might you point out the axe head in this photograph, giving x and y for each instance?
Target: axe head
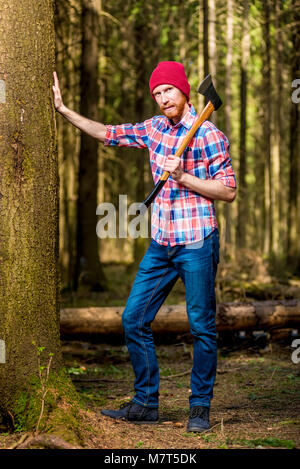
(208, 90)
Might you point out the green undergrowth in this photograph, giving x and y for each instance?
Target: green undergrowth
(60, 414)
(268, 442)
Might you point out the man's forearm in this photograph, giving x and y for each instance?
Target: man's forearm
(92, 128)
(210, 188)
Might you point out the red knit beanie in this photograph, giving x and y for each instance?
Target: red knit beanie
(170, 73)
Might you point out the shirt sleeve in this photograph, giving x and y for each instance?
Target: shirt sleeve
(128, 135)
(216, 152)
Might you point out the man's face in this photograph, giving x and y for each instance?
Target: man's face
(172, 102)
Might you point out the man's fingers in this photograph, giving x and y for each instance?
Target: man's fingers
(56, 83)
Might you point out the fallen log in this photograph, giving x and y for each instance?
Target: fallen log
(264, 315)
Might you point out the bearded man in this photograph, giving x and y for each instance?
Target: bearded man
(185, 239)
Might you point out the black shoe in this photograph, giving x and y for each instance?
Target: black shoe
(134, 413)
(199, 419)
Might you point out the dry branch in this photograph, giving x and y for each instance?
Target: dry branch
(47, 441)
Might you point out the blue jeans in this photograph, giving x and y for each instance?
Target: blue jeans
(158, 272)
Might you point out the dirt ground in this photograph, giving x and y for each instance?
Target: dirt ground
(256, 400)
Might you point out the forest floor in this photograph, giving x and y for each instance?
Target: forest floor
(256, 400)
(256, 397)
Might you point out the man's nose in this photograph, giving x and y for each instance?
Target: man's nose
(164, 97)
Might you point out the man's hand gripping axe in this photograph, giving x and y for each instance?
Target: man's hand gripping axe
(213, 100)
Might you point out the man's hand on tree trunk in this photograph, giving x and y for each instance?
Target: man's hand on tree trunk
(57, 98)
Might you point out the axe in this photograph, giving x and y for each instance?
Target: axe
(213, 100)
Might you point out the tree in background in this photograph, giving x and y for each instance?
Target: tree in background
(294, 148)
(88, 271)
(242, 193)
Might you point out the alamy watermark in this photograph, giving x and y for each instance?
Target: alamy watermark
(296, 353)
(116, 224)
(130, 222)
(296, 93)
(2, 351)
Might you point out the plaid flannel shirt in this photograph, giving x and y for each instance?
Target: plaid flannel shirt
(179, 215)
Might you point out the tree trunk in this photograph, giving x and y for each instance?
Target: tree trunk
(89, 273)
(173, 319)
(293, 228)
(200, 61)
(205, 37)
(29, 287)
(212, 47)
(140, 33)
(66, 26)
(228, 109)
(268, 237)
(277, 196)
(242, 193)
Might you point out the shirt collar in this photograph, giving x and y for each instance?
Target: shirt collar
(187, 120)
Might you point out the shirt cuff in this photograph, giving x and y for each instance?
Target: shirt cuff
(228, 181)
(110, 136)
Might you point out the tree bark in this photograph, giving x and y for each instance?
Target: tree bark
(29, 193)
(29, 287)
(173, 319)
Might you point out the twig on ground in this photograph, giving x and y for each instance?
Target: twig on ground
(19, 442)
(252, 418)
(104, 380)
(12, 418)
(209, 429)
(275, 369)
(48, 441)
(91, 380)
(177, 375)
(44, 390)
(222, 427)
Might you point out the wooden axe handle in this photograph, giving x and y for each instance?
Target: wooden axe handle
(207, 111)
(205, 114)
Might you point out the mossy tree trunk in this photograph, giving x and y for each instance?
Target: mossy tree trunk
(29, 287)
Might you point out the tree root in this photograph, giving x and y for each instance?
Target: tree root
(19, 442)
(45, 441)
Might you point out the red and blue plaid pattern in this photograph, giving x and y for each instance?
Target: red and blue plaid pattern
(179, 215)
